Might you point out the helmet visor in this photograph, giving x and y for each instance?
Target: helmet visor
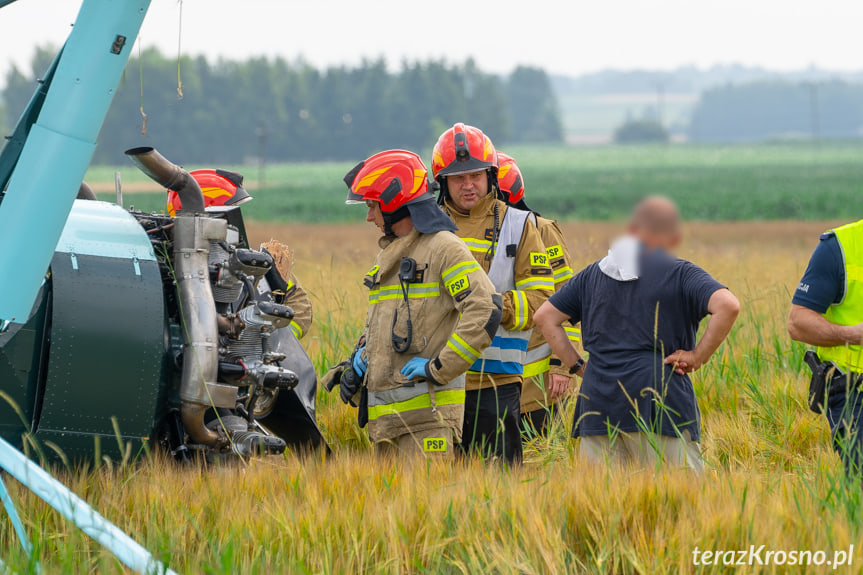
(468, 166)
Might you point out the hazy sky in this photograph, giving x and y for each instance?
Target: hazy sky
(568, 37)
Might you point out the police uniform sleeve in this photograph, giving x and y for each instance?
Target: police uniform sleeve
(534, 281)
(561, 268)
(298, 300)
(468, 288)
(823, 282)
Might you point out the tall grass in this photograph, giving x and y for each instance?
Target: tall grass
(771, 477)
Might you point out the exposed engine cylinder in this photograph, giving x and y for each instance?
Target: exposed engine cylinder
(249, 345)
(227, 288)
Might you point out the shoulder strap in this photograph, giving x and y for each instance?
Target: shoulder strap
(502, 269)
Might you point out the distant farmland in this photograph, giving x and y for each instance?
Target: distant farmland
(719, 183)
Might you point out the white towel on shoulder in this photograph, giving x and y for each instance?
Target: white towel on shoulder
(621, 263)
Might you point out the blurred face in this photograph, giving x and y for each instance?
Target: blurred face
(466, 190)
(375, 215)
(668, 241)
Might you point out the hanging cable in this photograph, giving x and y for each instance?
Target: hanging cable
(407, 275)
(179, 52)
(141, 75)
(495, 232)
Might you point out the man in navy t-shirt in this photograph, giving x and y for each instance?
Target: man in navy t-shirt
(640, 308)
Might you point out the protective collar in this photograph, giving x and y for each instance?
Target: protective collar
(520, 205)
(482, 208)
(429, 218)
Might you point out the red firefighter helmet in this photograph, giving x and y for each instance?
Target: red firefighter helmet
(463, 149)
(220, 188)
(394, 178)
(509, 179)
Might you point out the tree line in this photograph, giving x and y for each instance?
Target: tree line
(197, 111)
(779, 109)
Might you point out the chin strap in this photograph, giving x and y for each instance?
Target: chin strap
(390, 219)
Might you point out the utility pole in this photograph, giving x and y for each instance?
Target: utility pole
(660, 103)
(814, 120)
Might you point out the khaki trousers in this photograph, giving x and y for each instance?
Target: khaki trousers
(437, 442)
(643, 450)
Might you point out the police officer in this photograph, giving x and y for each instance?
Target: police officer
(827, 312)
(506, 243)
(546, 379)
(431, 311)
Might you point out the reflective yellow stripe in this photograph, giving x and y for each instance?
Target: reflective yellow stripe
(516, 311)
(298, 331)
(415, 291)
(477, 245)
(537, 368)
(562, 275)
(520, 310)
(462, 348)
(573, 333)
(446, 397)
(458, 270)
(535, 283)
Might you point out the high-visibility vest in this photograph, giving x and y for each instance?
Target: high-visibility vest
(849, 311)
(508, 350)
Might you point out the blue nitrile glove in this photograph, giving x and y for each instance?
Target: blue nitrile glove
(415, 368)
(360, 363)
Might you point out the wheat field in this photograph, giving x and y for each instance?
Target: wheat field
(771, 476)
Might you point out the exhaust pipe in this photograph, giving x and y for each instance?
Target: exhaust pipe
(169, 175)
(199, 390)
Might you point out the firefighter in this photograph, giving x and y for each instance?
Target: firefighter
(225, 188)
(506, 243)
(546, 380)
(432, 311)
(827, 312)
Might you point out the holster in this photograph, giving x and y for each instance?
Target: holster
(827, 380)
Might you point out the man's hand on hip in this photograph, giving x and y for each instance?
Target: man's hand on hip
(684, 361)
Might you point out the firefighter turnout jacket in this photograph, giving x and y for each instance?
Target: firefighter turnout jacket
(298, 300)
(286, 289)
(538, 364)
(453, 313)
(850, 310)
(517, 263)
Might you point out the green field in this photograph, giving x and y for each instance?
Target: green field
(759, 182)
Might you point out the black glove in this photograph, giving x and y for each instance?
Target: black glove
(349, 385)
(346, 378)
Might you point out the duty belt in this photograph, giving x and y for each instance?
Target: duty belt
(840, 383)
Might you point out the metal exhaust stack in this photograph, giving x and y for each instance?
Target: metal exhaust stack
(193, 231)
(169, 175)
